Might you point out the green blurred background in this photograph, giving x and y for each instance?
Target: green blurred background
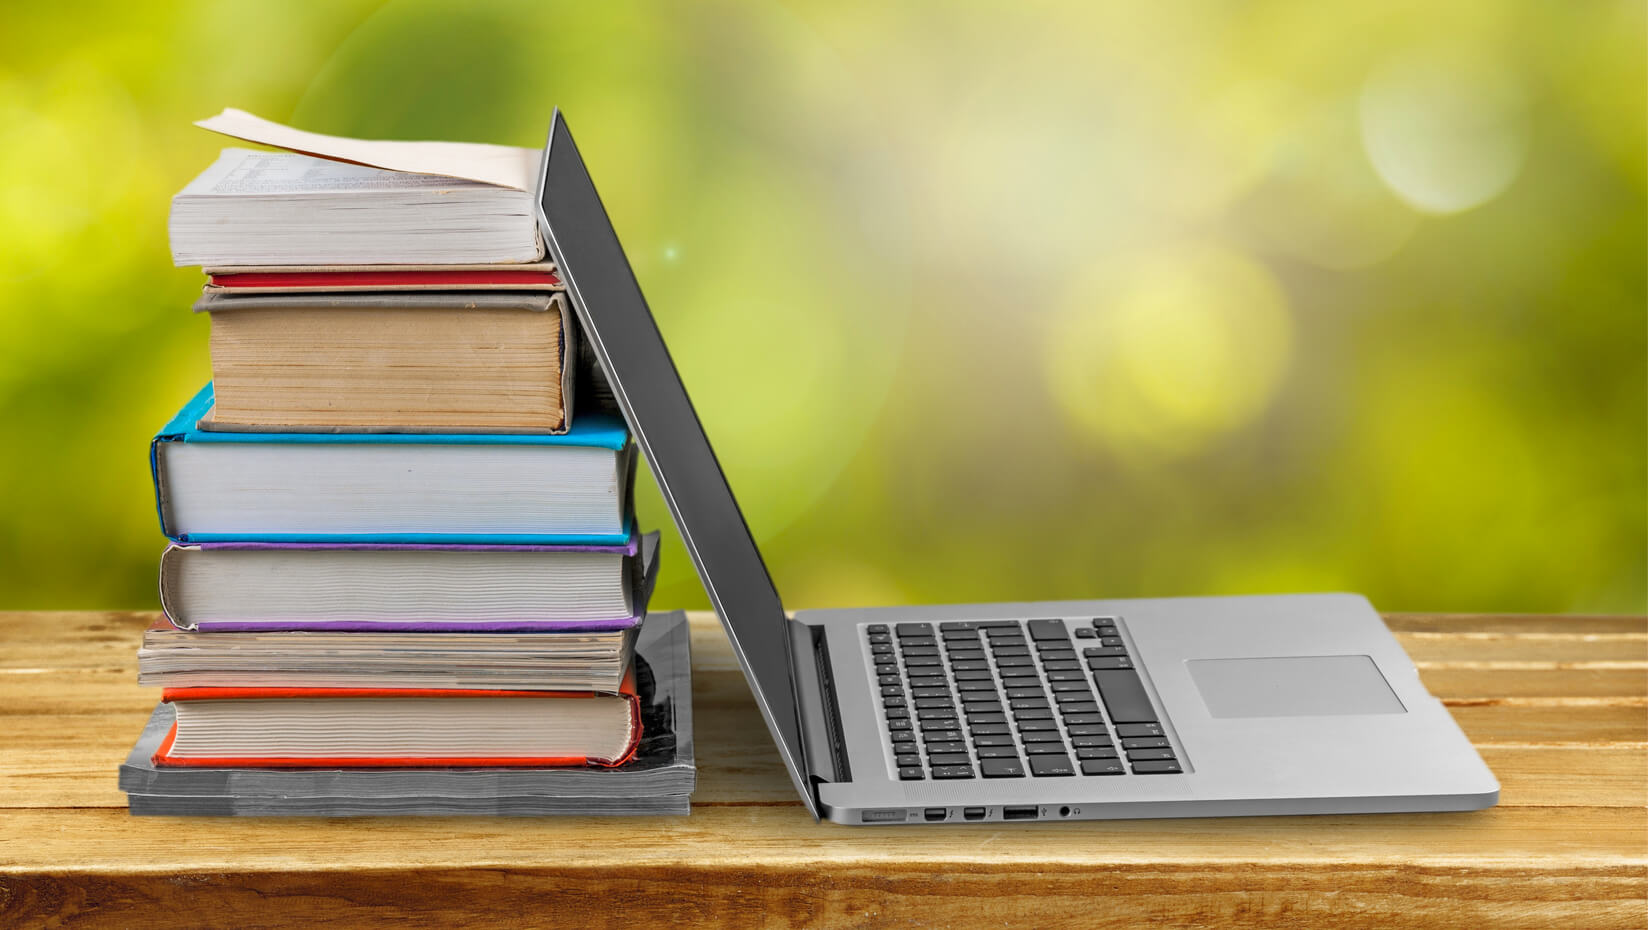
(978, 302)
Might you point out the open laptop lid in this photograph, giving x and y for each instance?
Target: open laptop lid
(620, 328)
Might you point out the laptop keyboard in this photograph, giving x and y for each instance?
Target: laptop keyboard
(1015, 699)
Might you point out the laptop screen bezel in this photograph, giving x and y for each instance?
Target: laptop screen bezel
(616, 320)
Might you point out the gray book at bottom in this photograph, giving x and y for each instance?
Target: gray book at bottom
(662, 773)
(162, 805)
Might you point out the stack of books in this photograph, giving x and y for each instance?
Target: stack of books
(405, 575)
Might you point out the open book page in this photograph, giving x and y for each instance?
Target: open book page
(498, 165)
(246, 172)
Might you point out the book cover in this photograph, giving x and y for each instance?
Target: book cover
(592, 430)
(643, 574)
(166, 755)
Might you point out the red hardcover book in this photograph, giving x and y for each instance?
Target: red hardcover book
(299, 279)
(398, 728)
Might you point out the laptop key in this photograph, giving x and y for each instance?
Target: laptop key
(911, 773)
(1066, 698)
(876, 628)
(1124, 696)
(1037, 749)
(922, 661)
(1125, 730)
(898, 713)
(1047, 629)
(1026, 703)
(929, 692)
(1017, 672)
(953, 744)
(1025, 694)
(1081, 720)
(936, 713)
(1156, 768)
(1103, 767)
(975, 666)
(1002, 767)
(1087, 729)
(898, 724)
(897, 701)
(904, 736)
(1085, 633)
(992, 739)
(881, 649)
(1033, 713)
(1026, 726)
(952, 771)
(948, 758)
(1095, 752)
(980, 674)
(915, 629)
(1110, 640)
(1095, 652)
(931, 702)
(988, 729)
(1090, 742)
(1040, 736)
(976, 685)
(1146, 742)
(998, 752)
(986, 718)
(1062, 686)
(1109, 662)
(905, 760)
(1149, 755)
(1063, 671)
(958, 626)
(1050, 765)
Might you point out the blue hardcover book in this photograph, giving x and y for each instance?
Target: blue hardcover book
(572, 488)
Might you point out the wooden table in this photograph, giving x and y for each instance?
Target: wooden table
(1556, 705)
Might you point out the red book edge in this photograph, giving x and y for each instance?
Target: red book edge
(163, 756)
(381, 278)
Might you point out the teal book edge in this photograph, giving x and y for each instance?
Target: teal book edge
(588, 430)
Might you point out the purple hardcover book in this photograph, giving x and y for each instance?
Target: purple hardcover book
(639, 566)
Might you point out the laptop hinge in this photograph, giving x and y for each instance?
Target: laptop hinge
(821, 730)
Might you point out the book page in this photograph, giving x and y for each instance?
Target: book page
(498, 165)
(240, 172)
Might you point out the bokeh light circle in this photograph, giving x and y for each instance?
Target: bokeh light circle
(1159, 355)
(1447, 129)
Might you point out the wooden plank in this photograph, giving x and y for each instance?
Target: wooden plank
(98, 841)
(1436, 648)
(1546, 722)
(1567, 624)
(1535, 894)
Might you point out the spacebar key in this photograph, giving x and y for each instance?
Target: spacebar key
(1124, 696)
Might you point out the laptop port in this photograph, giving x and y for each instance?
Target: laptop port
(973, 813)
(1018, 813)
(933, 814)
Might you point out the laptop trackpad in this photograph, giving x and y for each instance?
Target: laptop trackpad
(1293, 686)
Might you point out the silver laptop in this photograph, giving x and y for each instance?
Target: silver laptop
(1059, 710)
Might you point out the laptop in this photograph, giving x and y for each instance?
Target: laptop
(1056, 710)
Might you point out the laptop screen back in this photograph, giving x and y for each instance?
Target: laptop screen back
(620, 328)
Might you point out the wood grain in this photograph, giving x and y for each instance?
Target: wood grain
(1556, 705)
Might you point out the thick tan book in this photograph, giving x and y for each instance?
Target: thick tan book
(419, 361)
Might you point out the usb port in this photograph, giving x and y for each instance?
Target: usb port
(933, 814)
(1018, 813)
(973, 813)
